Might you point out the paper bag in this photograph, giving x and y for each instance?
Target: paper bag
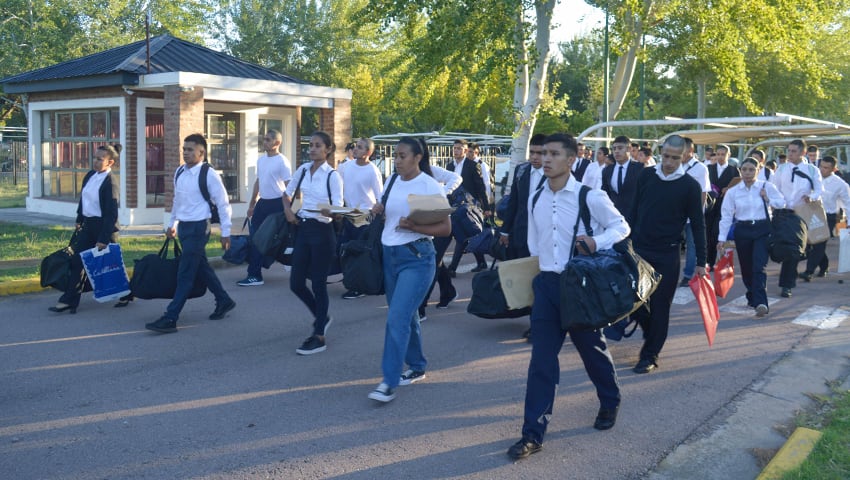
(707, 301)
(515, 276)
(428, 209)
(844, 250)
(724, 273)
(815, 217)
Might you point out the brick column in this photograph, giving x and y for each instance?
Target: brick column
(184, 115)
(130, 168)
(336, 122)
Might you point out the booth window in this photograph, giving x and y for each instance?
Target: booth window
(222, 132)
(70, 139)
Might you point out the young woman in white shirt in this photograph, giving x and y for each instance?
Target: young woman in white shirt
(97, 220)
(408, 257)
(315, 243)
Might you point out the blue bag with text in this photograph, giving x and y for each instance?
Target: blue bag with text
(106, 272)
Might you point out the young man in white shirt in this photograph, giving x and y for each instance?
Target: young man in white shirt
(550, 238)
(362, 187)
(190, 220)
(836, 195)
(699, 172)
(273, 174)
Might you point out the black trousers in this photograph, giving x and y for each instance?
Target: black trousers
(441, 275)
(656, 322)
(816, 254)
(751, 245)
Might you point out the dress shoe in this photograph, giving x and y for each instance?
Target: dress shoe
(452, 273)
(685, 282)
(786, 293)
(163, 325)
(221, 309)
(605, 419)
(480, 268)
(61, 307)
(645, 366)
(823, 273)
(805, 276)
(524, 448)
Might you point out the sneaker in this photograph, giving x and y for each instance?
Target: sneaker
(250, 282)
(352, 294)
(445, 303)
(163, 325)
(422, 316)
(411, 376)
(761, 310)
(383, 393)
(221, 309)
(786, 293)
(312, 345)
(479, 268)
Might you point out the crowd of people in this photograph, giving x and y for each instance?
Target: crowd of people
(666, 204)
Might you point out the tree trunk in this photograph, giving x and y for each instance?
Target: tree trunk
(528, 92)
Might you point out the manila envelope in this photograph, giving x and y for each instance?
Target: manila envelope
(428, 209)
(515, 277)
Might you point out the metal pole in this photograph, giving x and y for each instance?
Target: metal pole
(642, 84)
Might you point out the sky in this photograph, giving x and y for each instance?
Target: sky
(574, 17)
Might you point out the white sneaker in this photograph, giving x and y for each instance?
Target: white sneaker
(383, 393)
(761, 310)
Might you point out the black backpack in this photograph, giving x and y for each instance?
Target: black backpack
(202, 184)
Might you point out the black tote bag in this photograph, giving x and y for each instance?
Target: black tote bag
(155, 275)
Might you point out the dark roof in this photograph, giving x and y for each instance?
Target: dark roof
(126, 63)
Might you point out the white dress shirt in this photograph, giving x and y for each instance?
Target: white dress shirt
(362, 185)
(835, 192)
(397, 206)
(314, 190)
(485, 175)
(91, 194)
(593, 175)
(742, 203)
(536, 177)
(272, 174)
(794, 191)
(551, 223)
(696, 169)
(449, 180)
(189, 205)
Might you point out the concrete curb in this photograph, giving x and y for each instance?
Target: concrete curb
(33, 285)
(793, 453)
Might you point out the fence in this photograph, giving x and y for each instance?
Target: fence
(13, 162)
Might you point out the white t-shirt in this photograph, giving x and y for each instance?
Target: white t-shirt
(362, 185)
(398, 207)
(592, 175)
(272, 174)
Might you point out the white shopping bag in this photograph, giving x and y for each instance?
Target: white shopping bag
(844, 250)
(106, 272)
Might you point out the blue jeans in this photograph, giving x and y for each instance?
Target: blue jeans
(544, 371)
(262, 210)
(193, 239)
(408, 272)
(314, 249)
(690, 253)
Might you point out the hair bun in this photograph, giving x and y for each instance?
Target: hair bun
(117, 147)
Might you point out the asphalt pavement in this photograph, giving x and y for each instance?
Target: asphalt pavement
(95, 395)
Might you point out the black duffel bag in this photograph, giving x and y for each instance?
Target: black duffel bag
(155, 275)
(488, 299)
(55, 270)
(788, 237)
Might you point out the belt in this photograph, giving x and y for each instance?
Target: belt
(751, 222)
(410, 245)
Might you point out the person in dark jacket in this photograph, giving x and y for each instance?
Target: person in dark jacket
(619, 180)
(97, 220)
(720, 175)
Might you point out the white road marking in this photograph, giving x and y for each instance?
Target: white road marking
(739, 306)
(823, 318)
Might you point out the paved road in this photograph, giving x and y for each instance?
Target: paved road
(94, 395)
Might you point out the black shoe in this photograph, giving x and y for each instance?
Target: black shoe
(221, 309)
(312, 345)
(445, 303)
(61, 307)
(823, 273)
(684, 282)
(786, 293)
(524, 448)
(645, 366)
(806, 276)
(480, 268)
(163, 325)
(452, 273)
(124, 301)
(605, 419)
(352, 294)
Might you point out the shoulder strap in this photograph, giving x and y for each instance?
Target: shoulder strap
(801, 174)
(328, 185)
(179, 172)
(298, 185)
(536, 197)
(386, 194)
(583, 216)
(202, 181)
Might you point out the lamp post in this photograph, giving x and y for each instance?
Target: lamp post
(606, 73)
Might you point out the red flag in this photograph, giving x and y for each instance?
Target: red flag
(724, 273)
(707, 301)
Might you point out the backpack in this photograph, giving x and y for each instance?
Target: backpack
(602, 288)
(202, 184)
